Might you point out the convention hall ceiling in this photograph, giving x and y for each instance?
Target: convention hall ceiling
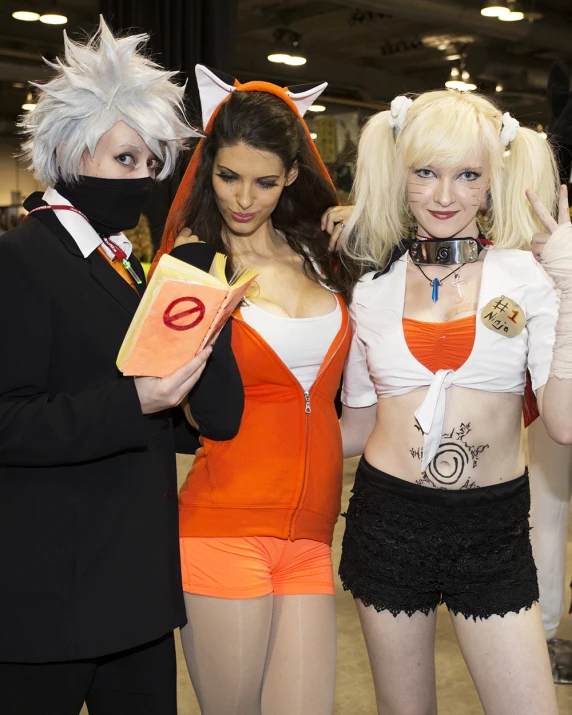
(368, 50)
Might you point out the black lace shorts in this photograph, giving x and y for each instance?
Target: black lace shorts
(408, 548)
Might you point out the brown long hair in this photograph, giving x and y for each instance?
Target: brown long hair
(265, 122)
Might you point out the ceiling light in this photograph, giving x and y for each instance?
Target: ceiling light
(292, 60)
(26, 15)
(278, 57)
(284, 42)
(455, 82)
(495, 8)
(499, 87)
(460, 80)
(29, 105)
(317, 108)
(453, 57)
(314, 135)
(460, 85)
(53, 18)
(295, 60)
(516, 12)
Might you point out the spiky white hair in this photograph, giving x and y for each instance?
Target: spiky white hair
(99, 83)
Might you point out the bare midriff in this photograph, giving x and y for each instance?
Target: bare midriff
(481, 445)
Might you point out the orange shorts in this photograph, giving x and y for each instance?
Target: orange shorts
(253, 566)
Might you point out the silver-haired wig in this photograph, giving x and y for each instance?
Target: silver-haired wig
(99, 83)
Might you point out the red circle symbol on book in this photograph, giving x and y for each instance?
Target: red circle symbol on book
(191, 312)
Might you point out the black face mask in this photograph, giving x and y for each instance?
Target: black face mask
(111, 205)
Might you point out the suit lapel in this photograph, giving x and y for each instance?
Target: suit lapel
(110, 280)
(48, 218)
(101, 271)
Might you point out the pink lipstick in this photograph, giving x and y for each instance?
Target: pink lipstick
(243, 218)
(443, 215)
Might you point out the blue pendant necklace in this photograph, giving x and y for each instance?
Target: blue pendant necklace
(436, 283)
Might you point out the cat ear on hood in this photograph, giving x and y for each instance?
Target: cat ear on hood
(214, 88)
(304, 95)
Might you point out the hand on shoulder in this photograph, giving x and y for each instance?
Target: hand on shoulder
(334, 222)
(186, 236)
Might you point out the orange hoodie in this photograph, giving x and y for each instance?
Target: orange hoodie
(282, 474)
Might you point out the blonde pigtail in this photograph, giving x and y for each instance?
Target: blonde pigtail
(528, 164)
(376, 225)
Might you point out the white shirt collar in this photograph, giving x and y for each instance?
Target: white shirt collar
(82, 232)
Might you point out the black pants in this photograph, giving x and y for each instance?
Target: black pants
(139, 681)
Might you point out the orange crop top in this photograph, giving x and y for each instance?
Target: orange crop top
(440, 346)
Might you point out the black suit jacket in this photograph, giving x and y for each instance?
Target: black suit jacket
(89, 557)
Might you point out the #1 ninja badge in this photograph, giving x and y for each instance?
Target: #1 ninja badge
(505, 316)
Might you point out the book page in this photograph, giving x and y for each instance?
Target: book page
(241, 275)
(232, 299)
(218, 268)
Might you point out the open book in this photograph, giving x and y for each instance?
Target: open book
(182, 309)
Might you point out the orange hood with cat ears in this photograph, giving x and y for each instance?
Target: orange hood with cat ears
(215, 88)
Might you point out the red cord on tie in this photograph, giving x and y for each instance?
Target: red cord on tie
(118, 252)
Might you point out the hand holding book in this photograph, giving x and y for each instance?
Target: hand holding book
(182, 310)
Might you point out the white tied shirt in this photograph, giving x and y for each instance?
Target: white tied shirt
(379, 362)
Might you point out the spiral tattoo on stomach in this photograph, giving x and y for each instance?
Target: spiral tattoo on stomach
(456, 454)
(450, 453)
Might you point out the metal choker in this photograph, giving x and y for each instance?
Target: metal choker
(449, 252)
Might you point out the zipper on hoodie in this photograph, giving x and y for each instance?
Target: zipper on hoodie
(307, 410)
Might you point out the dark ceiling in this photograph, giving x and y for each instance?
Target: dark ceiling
(368, 50)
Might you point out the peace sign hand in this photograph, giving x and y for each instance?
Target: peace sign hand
(539, 240)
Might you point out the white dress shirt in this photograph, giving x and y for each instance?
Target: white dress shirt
(82, 232)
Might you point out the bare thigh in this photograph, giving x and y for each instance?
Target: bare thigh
(300, 672)
(225, 644)
(401, 653)
(508, 661)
